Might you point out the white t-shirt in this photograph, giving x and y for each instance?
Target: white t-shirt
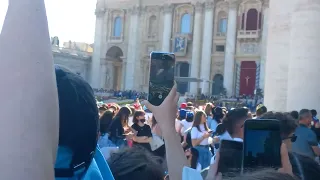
(199, 167)
(186, 125)
(196, 134)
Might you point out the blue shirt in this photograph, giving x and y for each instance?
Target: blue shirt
(306, 138)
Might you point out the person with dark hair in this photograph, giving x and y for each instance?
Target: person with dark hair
(217, 114)
(304, 167)
(135, 163)
(79, 128)
(105, 121)
(295, 114)
(193, 156)
(288, 126)
(102, 109)
(260, 110)
(200, 134)
(119, 127)
(306, 143)
(232, 124)
(142, 131)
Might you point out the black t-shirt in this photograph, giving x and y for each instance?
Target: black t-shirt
(142, 131)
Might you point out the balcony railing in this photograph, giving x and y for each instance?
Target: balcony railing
(220, 34)
(242, 34)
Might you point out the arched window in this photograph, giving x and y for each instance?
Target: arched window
(223, 25)
(185, 26)
(252, 20)
(117, 27)
(152, 25)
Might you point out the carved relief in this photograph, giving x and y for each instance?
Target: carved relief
(198, 7)
(100, 12)
(209, 5)
(168, 8)
(135, 10)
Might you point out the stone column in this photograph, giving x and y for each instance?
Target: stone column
(263, 46)
(103, 73)
(196, 47)
(278, 55)
(132, 48)
(229, 61)
(207, 47)
(167, 28)
(304, 74)
(95, 65)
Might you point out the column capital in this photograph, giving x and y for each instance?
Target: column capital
(198, 6)
(168, 8)
(135, 10)
(100, 12)
(209, 5)
(233, 3)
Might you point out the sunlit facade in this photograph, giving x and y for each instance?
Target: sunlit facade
(219, 44)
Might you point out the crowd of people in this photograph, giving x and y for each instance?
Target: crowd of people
(68, 137)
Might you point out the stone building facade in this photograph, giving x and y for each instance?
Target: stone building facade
(219, 44)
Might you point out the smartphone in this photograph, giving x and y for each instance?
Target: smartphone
(230, 161)
(261, 144)
(161, 78)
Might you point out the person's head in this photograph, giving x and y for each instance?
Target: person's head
(218, 114)
(124, 114)
(294, 114)
(133, 110)
(190, 104)
(183, 105)
(102, 109)
(288, 125)
(234, 121)
(78, 123)
(314, 113)
(192, 156)
(200, 118)
(190, 116)
(139, 118)
(208, 109)
(305, 117)
(105, 121)
(135, 163)
(261, 109)
(182, 114)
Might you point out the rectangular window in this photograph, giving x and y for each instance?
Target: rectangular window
(220, 48)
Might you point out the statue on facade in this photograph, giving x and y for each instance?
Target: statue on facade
(107, 83)
(55, 41)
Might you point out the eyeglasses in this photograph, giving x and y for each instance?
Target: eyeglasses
(293, 138)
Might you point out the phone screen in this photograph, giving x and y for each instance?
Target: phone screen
(161, 78)
(262, 142)
(230, 158)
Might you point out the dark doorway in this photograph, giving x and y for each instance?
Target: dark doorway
(217, 84)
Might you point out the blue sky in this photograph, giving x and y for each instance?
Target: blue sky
(68, 19)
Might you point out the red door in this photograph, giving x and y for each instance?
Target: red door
(248, 77)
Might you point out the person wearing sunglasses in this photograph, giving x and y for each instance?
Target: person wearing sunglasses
(142, 131)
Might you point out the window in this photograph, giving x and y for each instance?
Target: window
(223, 25)
(220, 48)
(117, 27)
(185, 26)
(152, 25)
(252, 20)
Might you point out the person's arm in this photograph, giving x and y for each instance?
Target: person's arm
(165, 114)
(194, 137)
(312, 141)
(28, 94)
